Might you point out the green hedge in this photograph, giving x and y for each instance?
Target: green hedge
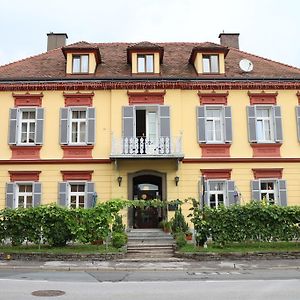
(55, 225)
(256, 221)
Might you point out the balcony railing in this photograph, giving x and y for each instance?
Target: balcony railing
(135, 147)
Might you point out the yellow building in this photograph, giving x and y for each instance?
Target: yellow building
(97, 121)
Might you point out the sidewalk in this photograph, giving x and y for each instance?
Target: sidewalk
(152, 265)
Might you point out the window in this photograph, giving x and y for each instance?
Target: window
(219, 192)
(264, 124)
(210, 63)
(79, 194)
(216, 193)
(268, 191)
(145, 63)
(76, 195)
(80, 64)
(214, 124)
(26, 126)
(24, 195)
(77, 126)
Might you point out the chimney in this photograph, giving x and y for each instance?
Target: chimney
(229, 40)
(56, 40)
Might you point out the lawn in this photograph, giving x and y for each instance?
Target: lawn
(69, 249)
(245, 247)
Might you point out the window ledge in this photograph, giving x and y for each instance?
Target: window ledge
(215, 150)
(80, 151)
(266, 149)
(25, 152)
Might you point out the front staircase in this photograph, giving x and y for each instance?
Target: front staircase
(150, 245)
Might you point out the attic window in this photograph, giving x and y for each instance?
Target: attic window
(145, 63)
(80, 63)
(210, 63)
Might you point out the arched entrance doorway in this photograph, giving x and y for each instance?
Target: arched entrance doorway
(146, 185)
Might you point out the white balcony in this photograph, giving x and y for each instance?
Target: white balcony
(143, 147)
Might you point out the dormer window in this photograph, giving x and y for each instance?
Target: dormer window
(210, 63)
(80, 63)
(145, 63)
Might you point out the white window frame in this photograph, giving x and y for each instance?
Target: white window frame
(269, 119)
(274, 191)
(217, 192)
(78, 122)
(25, 194)
(77, 194)
(145, 63)
(82, 67)
(209, 58)
(27, 122)
(214, 120)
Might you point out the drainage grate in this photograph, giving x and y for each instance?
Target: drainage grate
(48, 293)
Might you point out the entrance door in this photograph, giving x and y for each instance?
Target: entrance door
(147, 187)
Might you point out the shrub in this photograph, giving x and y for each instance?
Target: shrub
(118, 224)
(178, 222)
(119, 239)
(180, 239)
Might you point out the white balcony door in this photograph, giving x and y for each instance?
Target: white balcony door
(152, 131)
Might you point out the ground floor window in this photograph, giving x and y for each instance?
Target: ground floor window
(76, 195)
(24, 197)
(216, 193)
(268, 191)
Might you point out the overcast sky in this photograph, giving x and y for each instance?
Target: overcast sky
(268, 28)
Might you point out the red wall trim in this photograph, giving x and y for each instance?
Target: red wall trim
(67, 161)
(78, 151)
(266, 150)
(216, 173)
(78, 99)
(262, 98)
(77, 175)
(24, 175)
(267, 173)
(153, 85)
(28, 99)
(146, 97)
(298, 95)
(25, 152)
(213, 98)
(215, 150)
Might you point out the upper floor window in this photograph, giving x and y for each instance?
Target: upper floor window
(214, 124)
(77, 126)
(264, 124)
(210, 63)
(26, 126)
(80, 63)
(145, 63)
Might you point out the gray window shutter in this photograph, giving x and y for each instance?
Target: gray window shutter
(90, 195)
(64, 125)
(128, 115)
(10, 194)
(164, 118)
(231, 193)
(203, 199)
(251, 124)
(39, 129)
(278, 124)
(201, 124)
(228, 125)
(13, 126)
(282, 192)
(63, 193)
(255, 190)
(298, 121)
(37, 193)
(91, 115)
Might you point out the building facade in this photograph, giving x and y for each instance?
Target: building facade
(90, 122)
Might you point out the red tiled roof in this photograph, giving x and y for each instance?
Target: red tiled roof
(52, 64)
